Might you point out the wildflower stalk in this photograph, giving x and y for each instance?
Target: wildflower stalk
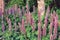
(9, 24)
(39, 31)
(23, 27)
(12, 10)
(51, 37)
(51, 27)
(55, 26)
(32, 22)
(51, 24)
(44, 30)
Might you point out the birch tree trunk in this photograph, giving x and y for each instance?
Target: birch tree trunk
(41, 7)
(2, 5)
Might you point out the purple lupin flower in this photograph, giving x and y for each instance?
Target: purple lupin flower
(12, 10)
(32, 22)
(39, 31)
(51, 24)
(19, 11)
(47, 12)
(23, 27)
(55, 33)
(9, 24)
(9, 11)
(51, 27)
(51, 17)
(54, 14)
(39, 15)
(46, 17)
(44, 30)
(46, 21)
(51, 37)
(55, 27)
(27, 20)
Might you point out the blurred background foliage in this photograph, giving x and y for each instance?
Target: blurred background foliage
(23, 2)
(54, 4)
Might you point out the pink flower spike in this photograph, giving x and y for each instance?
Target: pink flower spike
(23, 27)
(32, 22)
(19, 11)
(39, 16)
(48, 11)
(9, 24)
(44, 30)
(39, 31)
(51, 27)
(9, 11)
(51, 37)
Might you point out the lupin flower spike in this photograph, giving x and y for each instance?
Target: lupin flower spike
(39, 31)
(23, 27)
(44, 30)
(9, 24)
(32, 22)
(51, 27)
(51, 37)
(9, 11)
(12, 10)
(55, 27)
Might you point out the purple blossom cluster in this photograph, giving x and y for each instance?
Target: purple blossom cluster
(29, 19)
